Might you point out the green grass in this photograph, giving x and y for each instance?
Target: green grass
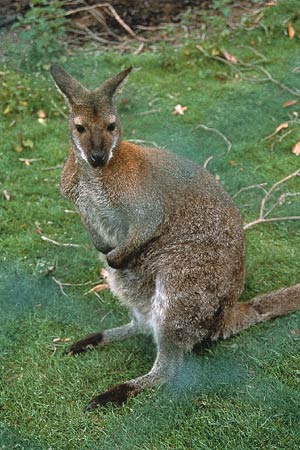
(241, 394)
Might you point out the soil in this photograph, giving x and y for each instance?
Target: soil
(8, 7)
(133, 12)
(152, 12)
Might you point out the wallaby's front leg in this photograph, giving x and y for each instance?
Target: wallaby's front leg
(103, 338)
(168, 361)
(119, 256)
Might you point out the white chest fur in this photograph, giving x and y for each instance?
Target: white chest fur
(105, 223)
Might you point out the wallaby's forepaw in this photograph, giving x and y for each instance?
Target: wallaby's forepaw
(117, 395)
(115, 261)
(88, 343)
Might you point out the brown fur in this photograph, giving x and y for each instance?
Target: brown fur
(172, 238)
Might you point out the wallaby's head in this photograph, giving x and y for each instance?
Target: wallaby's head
(94, 124)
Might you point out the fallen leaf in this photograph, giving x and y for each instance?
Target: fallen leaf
(232, 163)
(215, 52)
(179, 110)
(7, 110)
(19, 148)
(6, 195)
(296, 149)
(289, 103)
(42, 121)
(291, 31)
(41, 114)
(28, 143)
(282, 126)
(229, 57)
(97, 288)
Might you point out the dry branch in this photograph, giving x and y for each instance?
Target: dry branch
(59, 244)
(263, 213)
(141, 141)
(214, 130)
(207, 161)
(239, 65)
(62, 284)
(247, 188)
(111, 10)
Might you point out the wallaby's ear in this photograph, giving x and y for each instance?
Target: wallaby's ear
(110, 87)
(68, 86)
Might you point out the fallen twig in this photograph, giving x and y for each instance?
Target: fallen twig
(59, 109)
(247, 188)
(59, 244)
(273, 80)
(111, 10)
(207, 161)
(141, 141)
(263, 213)
(214, 130)
(59, 166)
(60, 286)
(151, 111)
(70, 211)
(30, 160)
(139, 49)
(255, 67)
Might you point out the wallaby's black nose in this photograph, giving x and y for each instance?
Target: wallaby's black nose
(97, 159)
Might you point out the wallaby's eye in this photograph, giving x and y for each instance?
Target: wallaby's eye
(80, 128)
(111, 126)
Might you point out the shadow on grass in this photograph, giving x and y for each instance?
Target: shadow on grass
(228, 386)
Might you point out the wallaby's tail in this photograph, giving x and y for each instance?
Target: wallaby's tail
(260, 309)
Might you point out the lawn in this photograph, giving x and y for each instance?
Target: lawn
(241, 394)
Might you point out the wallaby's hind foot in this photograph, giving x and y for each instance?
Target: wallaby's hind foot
(168, 361)
(87, 343)
(103, 338)
(117, 395)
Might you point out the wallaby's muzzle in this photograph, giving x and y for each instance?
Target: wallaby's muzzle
(98, 159)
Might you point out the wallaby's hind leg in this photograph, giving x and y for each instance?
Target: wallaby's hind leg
(103, 338)
(170, 353)
(169, 359)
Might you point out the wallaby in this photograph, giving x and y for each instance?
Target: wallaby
(173, 239)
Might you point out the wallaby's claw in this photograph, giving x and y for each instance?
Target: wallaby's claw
(117, 395)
